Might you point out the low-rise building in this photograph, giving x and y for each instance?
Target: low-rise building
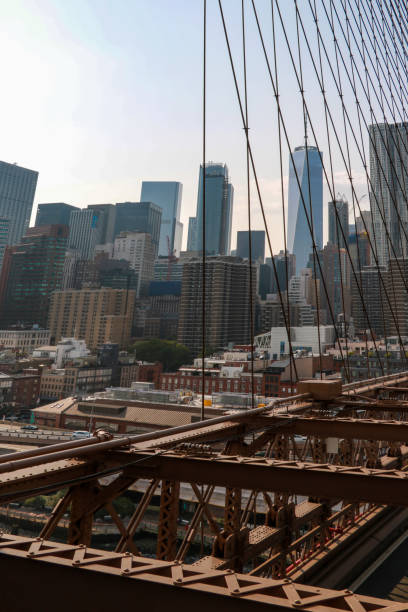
(118, 415)
(58, 383)
(140, 371)
(25, 390)
(24, 340)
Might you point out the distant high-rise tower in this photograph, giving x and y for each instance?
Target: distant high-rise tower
(219, 195)
(143, 217)
(137, 248)
(108, 223)
(258, 245)
(17, 189)
(336, 222)
(227, 302)
(389, 188)
(54, 213)
(309, 171)
(4, 230)
(32, 272)
(192, 233)
(167, 195)
(85, 231)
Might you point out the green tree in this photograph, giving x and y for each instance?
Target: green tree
(123, 506)
(168, 352)
(35, 502)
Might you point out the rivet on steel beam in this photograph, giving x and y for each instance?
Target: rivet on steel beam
(125, 571)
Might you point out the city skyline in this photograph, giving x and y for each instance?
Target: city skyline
(114, 138)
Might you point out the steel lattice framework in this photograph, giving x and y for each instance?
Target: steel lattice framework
(257, 462)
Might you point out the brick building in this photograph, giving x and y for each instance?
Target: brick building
(98, 316)
(25, 390)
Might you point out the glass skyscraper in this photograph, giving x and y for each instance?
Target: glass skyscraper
(54, 213)
(219, 195)
(258, 245)
(4, 231)
(33, 271)
(17, 189)
(192, 233)
(339, 222)
(85, 231)
(144, 217)
(388, 188)
(167, 195)
(308, 168)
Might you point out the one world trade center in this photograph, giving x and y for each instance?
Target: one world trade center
(306, 163)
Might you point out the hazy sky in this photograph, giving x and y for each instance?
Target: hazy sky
(98, 95)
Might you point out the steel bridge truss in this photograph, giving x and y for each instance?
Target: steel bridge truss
(302, 482)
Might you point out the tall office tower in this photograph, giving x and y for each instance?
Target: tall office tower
(143, 217)
(192, 233)
(54, 213)
(34, 270)
(108, 224)
(305, 171)
(227, 303)
(389, 188)
(264, 281)
(373, 312)
(283, 263)
(257, 244)
(86, 228)
(167, 195)
(17, 190)
(396, 281)
(4, 231)
(360, 251)
(97, 316)
(339, 222)
(363, 223)
(219, 195)
(336, 274)
(137, 248)
(69, 270)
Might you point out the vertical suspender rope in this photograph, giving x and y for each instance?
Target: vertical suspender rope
(203, 321)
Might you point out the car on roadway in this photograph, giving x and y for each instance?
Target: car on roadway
(80, 435)
(30, 427)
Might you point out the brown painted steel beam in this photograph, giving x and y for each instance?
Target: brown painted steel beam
(45, 478)
(359, 429)
(108, 581)
(383, 405)
(329, 481)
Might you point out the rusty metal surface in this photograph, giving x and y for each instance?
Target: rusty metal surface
(355, 483)
(339, 427)
(255, 462)
(160, 581)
